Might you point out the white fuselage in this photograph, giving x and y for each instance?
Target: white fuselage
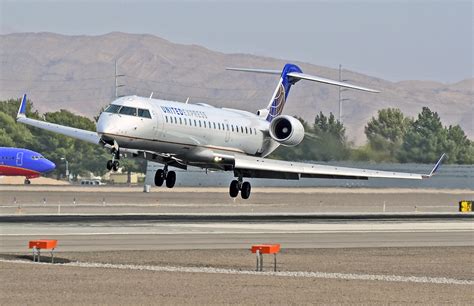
(197, 133)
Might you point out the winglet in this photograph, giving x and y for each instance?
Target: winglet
(436, 167)
(22, 109)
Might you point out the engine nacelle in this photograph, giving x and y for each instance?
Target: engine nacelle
(287, 130)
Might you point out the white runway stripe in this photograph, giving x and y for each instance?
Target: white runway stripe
(301, 274)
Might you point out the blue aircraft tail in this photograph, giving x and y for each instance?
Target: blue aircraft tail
(277, 103)
(289, 76)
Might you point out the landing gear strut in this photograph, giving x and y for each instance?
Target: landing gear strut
(238, 185)
(163, 175)
(113, 164)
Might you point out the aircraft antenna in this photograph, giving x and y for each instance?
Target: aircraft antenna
(117, 85)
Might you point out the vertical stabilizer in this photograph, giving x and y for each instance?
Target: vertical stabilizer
(278, 100)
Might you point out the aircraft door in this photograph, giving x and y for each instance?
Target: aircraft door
(19, 159)
(227, 131)
(159, 124)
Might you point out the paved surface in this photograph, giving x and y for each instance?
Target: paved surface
(108, 200)
(164, 235)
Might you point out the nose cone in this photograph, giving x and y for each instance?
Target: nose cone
(105, 124)
(48, 166)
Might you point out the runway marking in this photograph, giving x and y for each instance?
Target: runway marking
(294, 274)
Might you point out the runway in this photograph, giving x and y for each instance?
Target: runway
(193, 245)
(203, 218)
(152, 235)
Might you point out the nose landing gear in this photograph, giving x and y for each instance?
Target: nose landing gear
(163, 175)
(237, 185)
(113, 164)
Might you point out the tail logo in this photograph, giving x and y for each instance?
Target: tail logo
(279, 100)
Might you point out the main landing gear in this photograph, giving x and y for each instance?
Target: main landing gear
(113, 164)
(163, 175)
(27, 181)
(239, 185)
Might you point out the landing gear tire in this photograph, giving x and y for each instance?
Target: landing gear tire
(245, 190)
(234, 189)
(115, 165)
(159, 177)
(27, 182)
(109, 165)
(170, 179)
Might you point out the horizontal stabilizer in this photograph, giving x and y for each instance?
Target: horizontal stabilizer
(304, 76)
(266, 71)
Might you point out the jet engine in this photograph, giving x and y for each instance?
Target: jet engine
(287, 130)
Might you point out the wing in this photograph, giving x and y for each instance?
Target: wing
(84, 135)
(249, 166)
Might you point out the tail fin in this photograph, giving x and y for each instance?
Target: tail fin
(277, 103)
(289, 76)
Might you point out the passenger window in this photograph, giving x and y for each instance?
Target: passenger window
(144, 113)
(204, 123)
(175, 120)
(125, 110)
(166, 118)
(195, 122)
(180, 121)
(200, 123)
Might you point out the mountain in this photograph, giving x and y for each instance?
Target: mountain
(77, 73)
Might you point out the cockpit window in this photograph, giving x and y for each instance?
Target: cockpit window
(125, 110)
(112, 108)
(144, 113)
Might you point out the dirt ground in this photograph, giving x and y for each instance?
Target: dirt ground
(56, 284)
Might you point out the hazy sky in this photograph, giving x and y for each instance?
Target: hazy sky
(395, 40)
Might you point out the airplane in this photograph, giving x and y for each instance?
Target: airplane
(179, 135)
(23, 162)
